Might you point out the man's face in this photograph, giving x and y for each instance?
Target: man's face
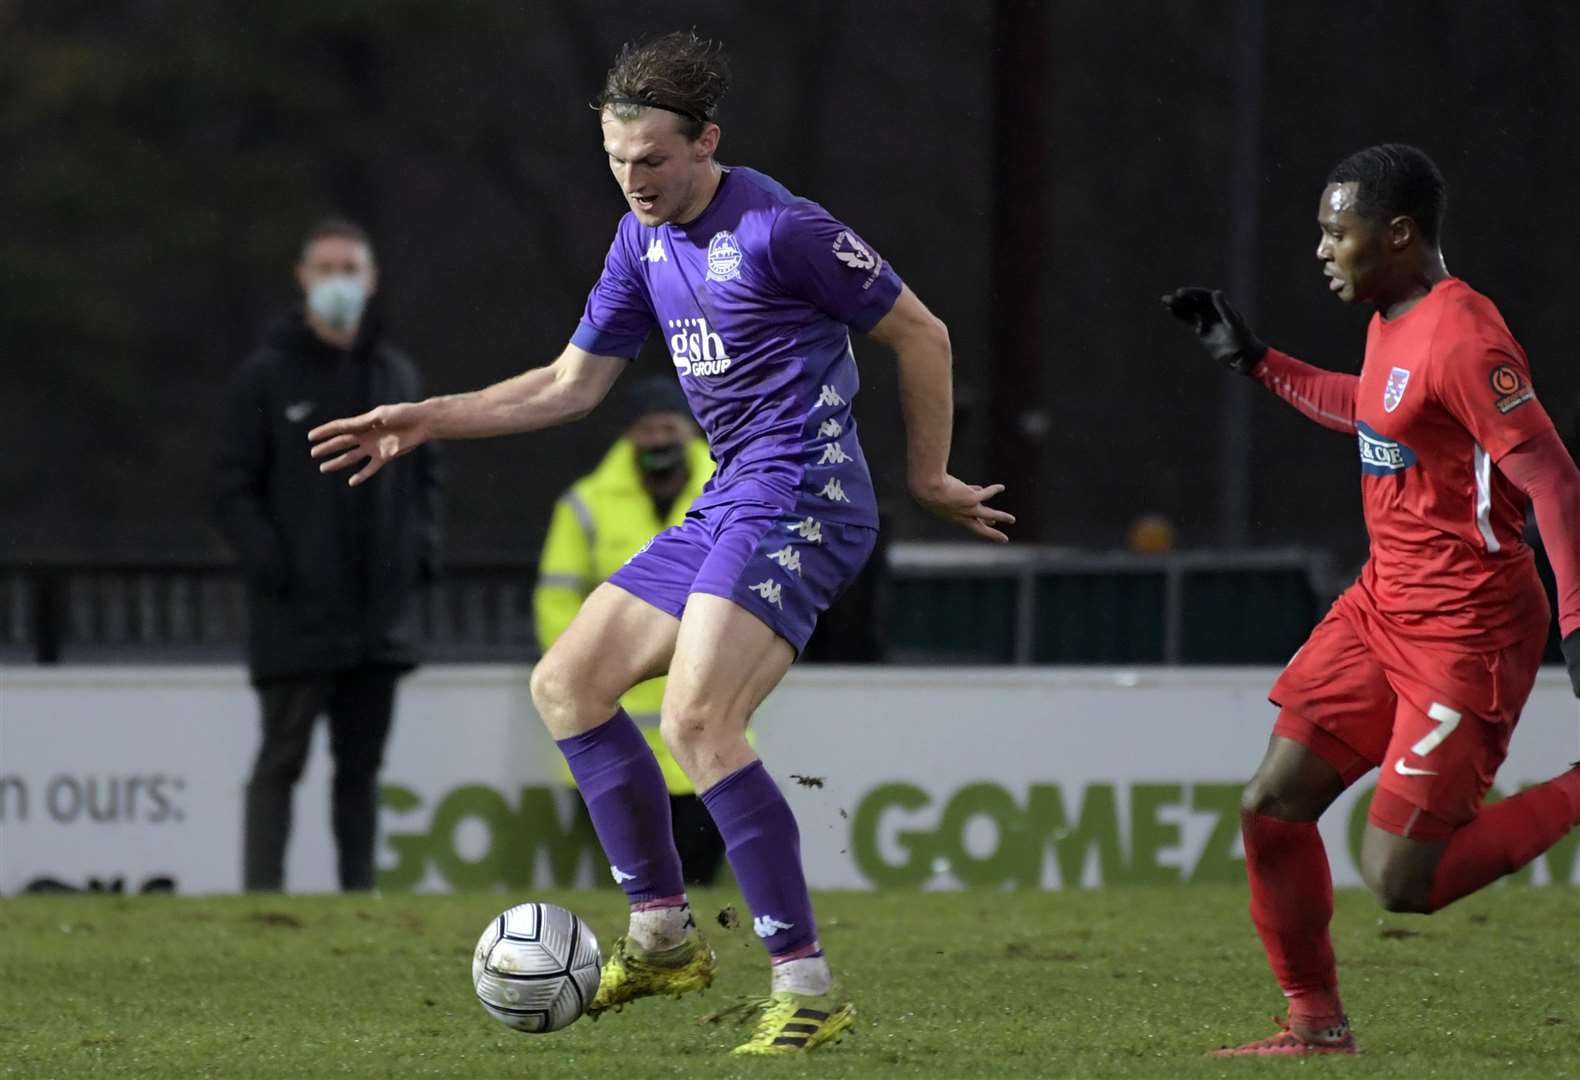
(658, 431)
(336, 256)
(658, 169)
(1353, 249)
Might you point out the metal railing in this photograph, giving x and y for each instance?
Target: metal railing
(184, 611)
(1056, 605)
(946, 603)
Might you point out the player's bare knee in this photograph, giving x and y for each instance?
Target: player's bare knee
(700, 738)
(546, 687)
(561, 696)
(1398, 896)
(1263, 795)
(686, 731)
(1395, 884)
(1256, 797)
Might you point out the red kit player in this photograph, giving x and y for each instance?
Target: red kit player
(1422, 666)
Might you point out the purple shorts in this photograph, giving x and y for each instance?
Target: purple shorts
(784, 568)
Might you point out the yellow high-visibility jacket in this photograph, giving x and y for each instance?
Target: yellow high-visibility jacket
(597, 525)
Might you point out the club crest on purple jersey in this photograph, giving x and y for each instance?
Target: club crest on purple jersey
(1393, 393)
(724, 257)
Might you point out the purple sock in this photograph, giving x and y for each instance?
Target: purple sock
(764, 846)
(623, 787)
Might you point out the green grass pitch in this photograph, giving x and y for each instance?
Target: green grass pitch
(1125, 982)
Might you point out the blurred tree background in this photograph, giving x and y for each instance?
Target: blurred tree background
(162, 159)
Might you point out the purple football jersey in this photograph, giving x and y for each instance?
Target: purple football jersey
(756, 299)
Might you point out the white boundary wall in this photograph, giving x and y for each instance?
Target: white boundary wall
(1007, 777)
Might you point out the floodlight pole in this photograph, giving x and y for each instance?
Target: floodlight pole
(1235, 449)
(1018, 419)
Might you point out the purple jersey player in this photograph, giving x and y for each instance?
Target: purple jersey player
(755, 292)
(756, 298)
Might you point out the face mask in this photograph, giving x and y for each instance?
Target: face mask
(338, 301)
(661, 459)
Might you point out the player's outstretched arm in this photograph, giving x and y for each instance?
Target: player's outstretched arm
(565, 390)
(921, 343)
(1326, 397)
(1542, 468)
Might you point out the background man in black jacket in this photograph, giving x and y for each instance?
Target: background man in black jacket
(332, 576)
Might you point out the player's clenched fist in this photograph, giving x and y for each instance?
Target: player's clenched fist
(1219, 327)
(378, 436)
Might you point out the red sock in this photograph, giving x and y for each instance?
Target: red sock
(1505, 836)
(1291, 905)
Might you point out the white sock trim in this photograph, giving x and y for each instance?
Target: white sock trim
(658, 929)
(808, 975)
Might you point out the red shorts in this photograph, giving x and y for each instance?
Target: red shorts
(1435, 720)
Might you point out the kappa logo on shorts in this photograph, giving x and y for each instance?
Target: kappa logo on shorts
(724, 257)
(810, 530)
(789, 558)
(834, 491)
(770, 591)
(829, 399)
(833, 455)
(831, 429)
(1393, 393)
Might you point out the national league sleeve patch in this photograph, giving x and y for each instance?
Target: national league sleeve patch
(1509, 388)
(851, 250)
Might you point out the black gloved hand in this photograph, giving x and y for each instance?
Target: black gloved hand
(1219, 328)
(1571, 647)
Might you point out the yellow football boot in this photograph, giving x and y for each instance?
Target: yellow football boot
(792, 1023)
(629, 973)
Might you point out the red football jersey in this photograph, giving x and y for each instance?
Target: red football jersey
(1445, 392)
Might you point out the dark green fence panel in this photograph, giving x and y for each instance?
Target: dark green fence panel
(1099, 617)
(1245, 616)
(962, 619)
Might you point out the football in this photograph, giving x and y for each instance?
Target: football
(535, 968)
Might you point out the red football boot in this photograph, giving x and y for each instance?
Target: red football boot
(1294, 1039)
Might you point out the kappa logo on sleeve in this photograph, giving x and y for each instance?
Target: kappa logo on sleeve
(1510, 388)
